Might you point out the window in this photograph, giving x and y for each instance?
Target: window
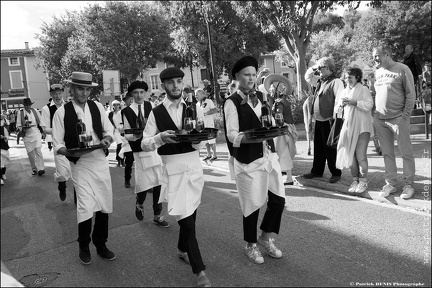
(16, 79)
(14, 61)
(283, 64)
(287, 75)
(154, 81)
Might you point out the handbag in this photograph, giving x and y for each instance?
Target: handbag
(336, 128)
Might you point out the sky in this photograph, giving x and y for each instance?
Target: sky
(21, 20)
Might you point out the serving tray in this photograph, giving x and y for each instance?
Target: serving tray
(133, 130)
(89, 149)
(266, 133)
(194, 135)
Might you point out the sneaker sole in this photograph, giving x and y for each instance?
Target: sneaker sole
(381, 194)
(111, 259)
(85, 263)
(160, 225)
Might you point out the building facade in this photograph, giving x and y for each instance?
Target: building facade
(21, 79)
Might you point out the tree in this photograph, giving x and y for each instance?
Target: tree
(293, 21)
(397, 24)
(327, 21)
(235, 35)
(54, 43)
(332, 43)
(130, 37)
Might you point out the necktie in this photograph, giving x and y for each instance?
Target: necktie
(252, 96)
(140, 117)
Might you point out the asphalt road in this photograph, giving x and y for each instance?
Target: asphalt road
(328, 239)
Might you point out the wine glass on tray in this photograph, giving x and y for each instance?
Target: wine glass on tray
(188, 124)
(279, 119)
(199, 124)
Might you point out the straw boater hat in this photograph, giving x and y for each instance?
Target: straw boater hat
(82, 79)
(279, 83)
(56, 87)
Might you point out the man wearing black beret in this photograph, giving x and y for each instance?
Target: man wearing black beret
(147, 164)
(254, 163)
(183, 179)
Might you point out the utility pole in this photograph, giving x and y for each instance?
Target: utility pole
(215, 84)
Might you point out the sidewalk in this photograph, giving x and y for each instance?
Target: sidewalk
(303, 163)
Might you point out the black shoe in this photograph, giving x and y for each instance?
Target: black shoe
(334, 179)
(213, 158)
(41, 172)
(62, 189)
(160, 222)
(105, 253)
(84, 255)
(34, 172)
(127, 183)
(207, 158)
(139, 212)
(289, 183)
(311, 175)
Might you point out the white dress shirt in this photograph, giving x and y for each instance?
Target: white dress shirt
(151, 137)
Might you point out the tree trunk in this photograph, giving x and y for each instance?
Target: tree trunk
(301, 70)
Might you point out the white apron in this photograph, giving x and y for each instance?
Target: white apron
(32, 139)
(48, 138)
(148, 170)
(286, 148)
(4, 157)
(63, 168)
(253, 180)
(182, 183)
(92, 182)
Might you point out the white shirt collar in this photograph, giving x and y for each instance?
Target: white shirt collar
(167, 102)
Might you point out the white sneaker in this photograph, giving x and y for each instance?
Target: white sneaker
(254, 254)
(387, 190)
(2, 182)
(3, 177)
(361, 187)
(270, 247)
(408, 192)
(353, 186)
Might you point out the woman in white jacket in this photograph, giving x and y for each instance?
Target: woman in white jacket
(356, 130)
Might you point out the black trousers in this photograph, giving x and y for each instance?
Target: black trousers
(322, 152)
(100, 231)
(129, 159)
(157, 207)
(271, 221)
(117, 152)
(188, 243)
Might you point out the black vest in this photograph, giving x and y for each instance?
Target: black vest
(4, 145)
(163, 123)
(70, 121)
(52, 109)
(246, 153)
(132, 119)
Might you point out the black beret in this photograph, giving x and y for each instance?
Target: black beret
(171, 72)
(137, 85)
(244, 62)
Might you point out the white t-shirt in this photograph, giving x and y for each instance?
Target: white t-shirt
(206, 106)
